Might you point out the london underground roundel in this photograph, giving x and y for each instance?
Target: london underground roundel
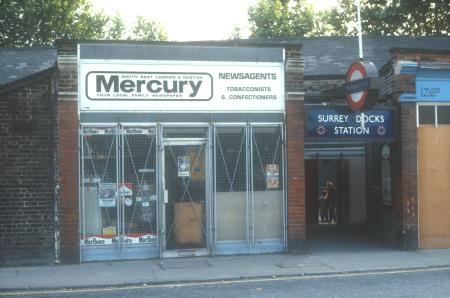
(358, 85)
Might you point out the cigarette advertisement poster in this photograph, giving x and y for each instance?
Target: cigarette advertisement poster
(184, 166)
(107, 194)
(272, 176)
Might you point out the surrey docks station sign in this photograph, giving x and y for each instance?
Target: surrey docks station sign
(339, 123)
(358, 121)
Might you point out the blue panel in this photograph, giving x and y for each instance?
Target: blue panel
(433, 85)
(232, 248)
(408, 67)
(324, 124)
(99, 254)
(433, 90)
(140, 252)
(268, 246)
(433, 74)
(111, 253)
(240, 248)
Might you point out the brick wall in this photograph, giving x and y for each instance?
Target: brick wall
(27, 184)
(420, 55)
(405, 191)
(296, 217)
(67, 153)
(404, 210)
(295, 172)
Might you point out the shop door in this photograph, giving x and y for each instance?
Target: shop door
(185, 198)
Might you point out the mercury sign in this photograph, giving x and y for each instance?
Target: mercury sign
(339, 123)
(126, 85)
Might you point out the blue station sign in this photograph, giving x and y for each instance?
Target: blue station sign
(341, 123)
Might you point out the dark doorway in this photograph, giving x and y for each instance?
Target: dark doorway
(317, 173)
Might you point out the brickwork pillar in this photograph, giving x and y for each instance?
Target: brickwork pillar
(404, 157)
(67, 153)
(405, 184)
(296, 220)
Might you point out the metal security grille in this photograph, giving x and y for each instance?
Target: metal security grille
(267, 182)
(185, 132)
(99, 185)
(231, 184)
(139, 185)
(185, 202)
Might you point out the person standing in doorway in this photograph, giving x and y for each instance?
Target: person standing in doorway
(323, 207)
(331, 190)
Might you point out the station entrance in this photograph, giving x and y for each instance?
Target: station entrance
(345, 162)
(338, 172)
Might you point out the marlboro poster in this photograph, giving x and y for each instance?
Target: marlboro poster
(272, 176)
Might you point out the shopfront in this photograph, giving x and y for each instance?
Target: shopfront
(181, 151)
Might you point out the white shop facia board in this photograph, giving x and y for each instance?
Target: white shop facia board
(159, 86)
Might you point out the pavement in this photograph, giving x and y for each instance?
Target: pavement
(319, 257)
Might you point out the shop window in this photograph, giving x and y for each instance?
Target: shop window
(434, 115)
(99, 178)
(231, 159)
(139, 177)
(267, 182)
(426, 115)
(443, 115)
(118, 194)
(231, 183)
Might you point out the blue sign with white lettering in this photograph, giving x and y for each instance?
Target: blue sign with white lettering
(341, 123)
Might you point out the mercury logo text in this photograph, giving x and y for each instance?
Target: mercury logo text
(157, 86)
(153, 86)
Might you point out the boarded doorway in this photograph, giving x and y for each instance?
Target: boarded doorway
(434, 186)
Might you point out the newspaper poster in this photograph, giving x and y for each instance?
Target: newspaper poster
(272, 176)
(107, 194)
(184, 166)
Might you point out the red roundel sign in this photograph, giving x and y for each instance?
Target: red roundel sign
(358, 85)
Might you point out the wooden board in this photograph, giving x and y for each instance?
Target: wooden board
(434, 186)
(188, 224)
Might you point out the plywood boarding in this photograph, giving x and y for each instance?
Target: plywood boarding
(268, 214)
(434, 186)
(188, 223)
(231, 216)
